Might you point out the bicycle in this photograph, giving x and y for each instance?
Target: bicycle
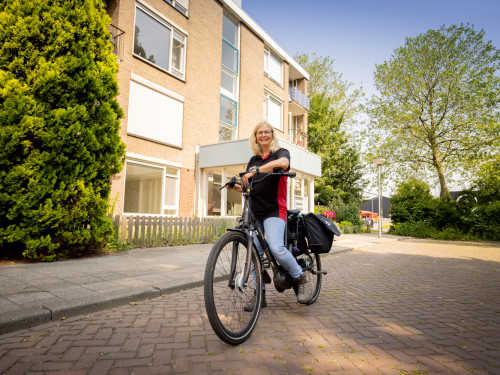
(235, 272)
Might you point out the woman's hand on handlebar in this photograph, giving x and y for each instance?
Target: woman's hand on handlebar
(236, 187)
(247, 176)
(232, 184)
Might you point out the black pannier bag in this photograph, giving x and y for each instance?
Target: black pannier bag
(319, 232)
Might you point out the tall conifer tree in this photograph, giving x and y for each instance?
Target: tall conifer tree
(59, 126)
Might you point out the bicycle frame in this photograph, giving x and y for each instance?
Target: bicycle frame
(249, 227)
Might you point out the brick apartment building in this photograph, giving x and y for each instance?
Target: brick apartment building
(195, 77)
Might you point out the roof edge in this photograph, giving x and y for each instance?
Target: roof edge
(254, 26)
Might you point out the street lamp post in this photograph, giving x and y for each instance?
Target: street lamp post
(379, 162)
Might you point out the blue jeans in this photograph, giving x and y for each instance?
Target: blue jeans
(274, 229)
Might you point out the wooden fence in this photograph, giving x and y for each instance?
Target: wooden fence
(162, 230)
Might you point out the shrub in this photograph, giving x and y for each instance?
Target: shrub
(345, 224)
(412, 202)
(419, 229)
(326, 195)
(446, 213)
(59, 123)
(450, 234)
(485, 221)
(350, 213)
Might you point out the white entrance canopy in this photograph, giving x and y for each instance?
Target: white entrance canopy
(238, 152)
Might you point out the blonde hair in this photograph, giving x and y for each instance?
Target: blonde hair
(254, 145)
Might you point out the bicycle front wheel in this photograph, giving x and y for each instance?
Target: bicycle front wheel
(225, 294)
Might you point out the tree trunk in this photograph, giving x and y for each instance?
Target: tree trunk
(439, 169)
(442, 182)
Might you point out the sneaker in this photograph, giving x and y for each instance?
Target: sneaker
(304, 289)
(250, 306)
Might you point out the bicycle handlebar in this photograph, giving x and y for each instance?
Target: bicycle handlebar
(276, 172)
(230, 183)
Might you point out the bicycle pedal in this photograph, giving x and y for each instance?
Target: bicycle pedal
(265, 277)
(323, 272)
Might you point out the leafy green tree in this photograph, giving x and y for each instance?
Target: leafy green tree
(487, 183)
(332, 104)
(438, 108)
(59, 124)
(413, 201)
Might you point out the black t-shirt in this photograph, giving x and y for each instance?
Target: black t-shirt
(269, 195)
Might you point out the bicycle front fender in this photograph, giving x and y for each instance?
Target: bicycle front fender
(248, 261)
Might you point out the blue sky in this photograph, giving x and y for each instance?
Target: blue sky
(357, 34)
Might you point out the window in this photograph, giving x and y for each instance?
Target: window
(234, 205)
(273, 66)
(273, 110)
(229, 79)
(226, 133)
(228, 83)
(222, 202)
(214, 193)
(228, 110)
(143, 188)
(230, 30)
(229, 56)
(150, 189)
(178, 54)
(181, 5)
(171, 189)
(155, 113)
(158, 43)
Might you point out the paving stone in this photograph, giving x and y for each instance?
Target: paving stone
(399, 307)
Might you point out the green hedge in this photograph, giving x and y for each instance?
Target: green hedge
(416, 213)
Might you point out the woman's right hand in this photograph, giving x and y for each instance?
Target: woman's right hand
(236, 187)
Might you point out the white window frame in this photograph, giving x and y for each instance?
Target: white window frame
(174, 207)
(163, 167)
(181, 74)
(225, 172)
(267, 96)
(267, 71)
(182, 6)
(178, 72)
(223, 91)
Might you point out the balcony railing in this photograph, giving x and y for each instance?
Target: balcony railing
(299, 97)
(117, 41)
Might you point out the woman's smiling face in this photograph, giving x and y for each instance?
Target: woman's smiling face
(264, 136)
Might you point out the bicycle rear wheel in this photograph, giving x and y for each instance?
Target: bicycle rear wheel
(225, 300)
(311, 262)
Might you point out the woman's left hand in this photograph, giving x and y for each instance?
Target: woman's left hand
(246, 177)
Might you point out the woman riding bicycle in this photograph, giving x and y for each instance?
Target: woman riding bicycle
(269, 205)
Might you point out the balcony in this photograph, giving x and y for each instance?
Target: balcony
(117, 41)
(299, 102)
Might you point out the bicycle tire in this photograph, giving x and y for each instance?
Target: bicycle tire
(315, 279)
(224, 301)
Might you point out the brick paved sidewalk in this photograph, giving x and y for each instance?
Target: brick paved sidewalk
(406, 307)
(36, 293)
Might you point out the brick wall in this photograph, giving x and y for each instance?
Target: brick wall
(201, 88)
